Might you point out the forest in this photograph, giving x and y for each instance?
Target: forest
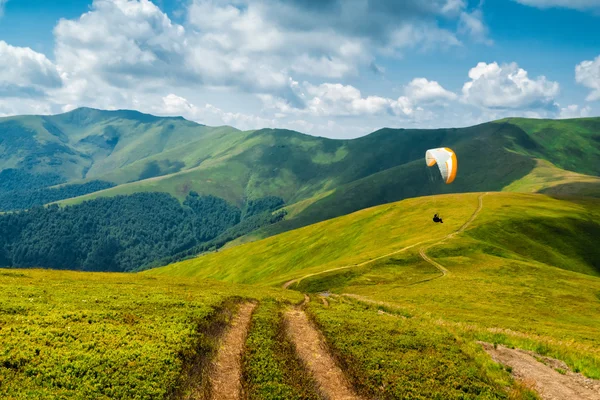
(125, 233)
(27, 198)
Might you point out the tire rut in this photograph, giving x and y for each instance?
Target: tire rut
(550, 384)
(225, 379)
(312, 350)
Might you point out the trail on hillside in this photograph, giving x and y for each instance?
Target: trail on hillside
(312, 350)
(440, 267)
(226, 376)
(550, 384)
(422, 252)
(289, 283)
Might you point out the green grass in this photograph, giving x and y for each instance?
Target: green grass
(390, 357)
(335, 243)
(547, 178)
(318, 178)
(570, 144)
(111, 336)
(525, 273)
(271, 368)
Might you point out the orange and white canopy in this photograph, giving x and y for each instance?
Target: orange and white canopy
(446, 161)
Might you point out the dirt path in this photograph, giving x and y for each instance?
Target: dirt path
(312, 350)
(550, 384)
(289, 283)
(423, 250)
(226, 376)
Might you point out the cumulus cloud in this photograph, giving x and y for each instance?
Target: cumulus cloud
(209, 114)
(508, 87)
(423, 90)
(24, 72)
(255, 46)
(574, 111)
(122, 42)
(574, 4)
(329, 100)
(587, 73)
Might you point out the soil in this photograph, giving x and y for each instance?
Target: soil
(313, 352)
(540, 372)
(225, 379)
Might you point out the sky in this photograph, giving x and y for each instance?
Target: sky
(334, 68)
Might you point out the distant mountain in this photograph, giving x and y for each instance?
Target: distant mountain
(88, 143)
(93, 153)
(321, 178)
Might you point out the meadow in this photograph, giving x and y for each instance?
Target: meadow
(271, 368)
(525, 273)
(111, 336)
(395, 355)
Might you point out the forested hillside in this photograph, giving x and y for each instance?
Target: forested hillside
(123, 233)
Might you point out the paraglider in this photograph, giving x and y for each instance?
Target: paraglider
(447, 163)
(446, 160)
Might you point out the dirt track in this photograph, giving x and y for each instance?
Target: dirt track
(226, 376)
(312, 350)
(422, 251)
(550, 384)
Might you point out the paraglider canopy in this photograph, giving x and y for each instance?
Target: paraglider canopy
(446, 160)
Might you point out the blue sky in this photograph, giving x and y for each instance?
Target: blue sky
(337, 68)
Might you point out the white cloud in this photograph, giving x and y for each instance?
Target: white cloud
(574, 4)
(425, 37)
(508, 87)
(453, 7)
(587, 73)
(423, 90)
(24, 71)
(471, 23)
(124, 43)
(254, 46)
(34, 106)
(209, 114)
(574, 111)
(335, 99)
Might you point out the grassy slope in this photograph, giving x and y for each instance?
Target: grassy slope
(334, 243)
(381, 167)
(570, 144)
(111, 336)
(395, 355)
(549, 179)
(525, 272)
(88, 143)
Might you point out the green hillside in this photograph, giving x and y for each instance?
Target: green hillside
(88, 143)
(401, 304)
(525, 272)
(89, 154)
(140, 153)
(328, 178)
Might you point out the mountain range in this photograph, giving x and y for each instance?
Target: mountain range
(86, 154)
